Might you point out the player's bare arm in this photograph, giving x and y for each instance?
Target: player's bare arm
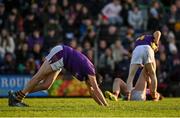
(157, 35)
(91, 91)
(96, 92)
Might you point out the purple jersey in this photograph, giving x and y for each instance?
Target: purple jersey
(144, 40)
(77, 63)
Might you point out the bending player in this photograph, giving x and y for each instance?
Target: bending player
(143, 54)
(60, 57)
(138, 93)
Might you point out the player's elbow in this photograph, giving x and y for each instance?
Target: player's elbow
(157, 34)
(151, 73)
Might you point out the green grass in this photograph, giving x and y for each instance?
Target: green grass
(84, 107)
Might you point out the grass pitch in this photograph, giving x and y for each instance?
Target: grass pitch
(85, 107)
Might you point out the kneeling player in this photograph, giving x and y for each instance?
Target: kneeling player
(60, 57)
(138, 93)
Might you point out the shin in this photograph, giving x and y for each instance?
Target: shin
(40, 75)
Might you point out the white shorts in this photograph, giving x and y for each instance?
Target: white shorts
(142, 54)
(55, 58)
(138, 95)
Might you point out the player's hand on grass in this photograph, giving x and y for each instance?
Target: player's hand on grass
(155, 96)
(106, 104)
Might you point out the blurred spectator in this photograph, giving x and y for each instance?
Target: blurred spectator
(52, 24)
(118, 51)
(172, 17)
(87, 29)
(78, 12)
(86, 46)
(102, 47)
(8, 65)
(22, 55)
(30, 23)
(162, 69)
(128, 41)
(106, 62)
(20, 40)
(90, 55)
(35, 9)
(52, 38)
(2, 15)
(69, 30)
(110, 34)
(52, 13)
(90, 36)
(127, 5)
(112, 12)
(95, 7)
(34, 39)
(65, 5)
(7, 44)
(178, 10)
(172, 43)
(155, 16)
(85, 13)
(177, 24)
(37, 54)
(30, 66)
(164, 37)
(11, 23)
(135, 18)
(122, 68)
(53, 2)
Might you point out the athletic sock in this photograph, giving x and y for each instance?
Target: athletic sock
(20, 96)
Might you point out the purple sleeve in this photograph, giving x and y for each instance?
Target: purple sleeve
(150, 38)
(90, 68)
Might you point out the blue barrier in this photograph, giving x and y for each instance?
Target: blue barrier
(16, 82)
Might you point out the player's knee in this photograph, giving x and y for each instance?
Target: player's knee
(129, 80)
(131, 74)
(149, 67)
(151, 72)
(117, 80)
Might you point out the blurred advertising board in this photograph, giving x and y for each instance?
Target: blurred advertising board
(16, 82)
(68, 87)
(62, 86)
